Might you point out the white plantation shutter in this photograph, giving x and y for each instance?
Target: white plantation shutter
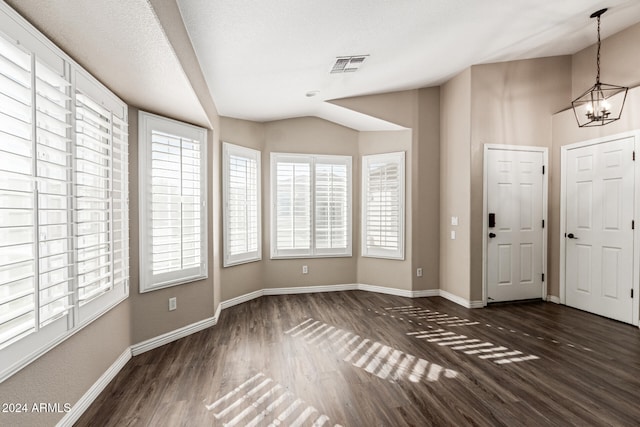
(311, 212)
(58, 196)
(383, 205)
(120, 199)
(18, 281)
(241, 200)
(54, 197)
(93, 192)
(173, 202)
(332, 205)
(101, 198)
(292, 205)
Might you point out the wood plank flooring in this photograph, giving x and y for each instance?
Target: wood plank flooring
(364, 359)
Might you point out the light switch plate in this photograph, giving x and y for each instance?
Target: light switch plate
(453, 234)
(454, 220)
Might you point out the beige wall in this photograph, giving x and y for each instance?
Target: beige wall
(395, 107)
(65, 373)
(150, 313)
(619, 58)
(511, 103)
(244, 278)
(455, 162)
(387, 272)
(418, 111)
(311, 136)
(426, 191)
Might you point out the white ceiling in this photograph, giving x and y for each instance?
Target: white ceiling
(122, 43)
(260, 58)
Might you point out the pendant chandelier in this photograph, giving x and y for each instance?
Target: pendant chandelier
(602, 104)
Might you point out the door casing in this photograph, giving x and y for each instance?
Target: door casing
(485, 211)
(563, 216)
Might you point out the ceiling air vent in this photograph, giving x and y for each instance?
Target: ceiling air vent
(348, 64)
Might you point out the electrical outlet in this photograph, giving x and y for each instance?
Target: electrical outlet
(173, 303)
(454, 220)
(305, 269)
(419, 272)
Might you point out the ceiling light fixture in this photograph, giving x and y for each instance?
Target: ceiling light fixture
(602, 104)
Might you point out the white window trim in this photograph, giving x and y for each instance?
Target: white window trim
(399, 158)
(21, 353)
(228, 150)
(147, 123)
(313, 252)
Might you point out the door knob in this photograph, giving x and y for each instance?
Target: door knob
(571, 236)
(492, 235)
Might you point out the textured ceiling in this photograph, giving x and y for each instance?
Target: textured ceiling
(260, 58)
(122, 43)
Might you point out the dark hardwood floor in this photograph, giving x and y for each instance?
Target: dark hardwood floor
(364, 359)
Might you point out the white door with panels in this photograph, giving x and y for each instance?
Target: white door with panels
(515, 209)
(599, 235)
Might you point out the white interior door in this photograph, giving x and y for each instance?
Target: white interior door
(599, 236)
(515, 198)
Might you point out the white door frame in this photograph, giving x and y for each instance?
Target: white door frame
(485, 211)
(563, 215)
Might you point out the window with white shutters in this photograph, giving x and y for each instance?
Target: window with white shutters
(383, 205)
(311, 205)
(173, 220)
(241, 201)
(63, 196)
(332, 206)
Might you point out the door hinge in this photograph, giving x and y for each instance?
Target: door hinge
(633, 156)
(543, 277)
(631, 293)
(542, 169)
(543, 223)
(633, 224)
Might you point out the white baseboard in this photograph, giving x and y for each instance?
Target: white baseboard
(554, 299)
(163, 339)
(310, 289)
(477, 304)
(425, 293)
(87, 399)
(385, 290)
(461, 301)
(242, 298)
(350, 287)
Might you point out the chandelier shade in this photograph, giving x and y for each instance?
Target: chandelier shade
(600, 105)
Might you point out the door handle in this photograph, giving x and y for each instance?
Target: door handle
(492, 235)
(572, 236)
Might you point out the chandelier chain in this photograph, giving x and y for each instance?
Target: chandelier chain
(598, 55)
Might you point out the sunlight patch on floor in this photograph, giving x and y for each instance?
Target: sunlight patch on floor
(472, 346)
(262, 401)
(376, 358)
(424, 314)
